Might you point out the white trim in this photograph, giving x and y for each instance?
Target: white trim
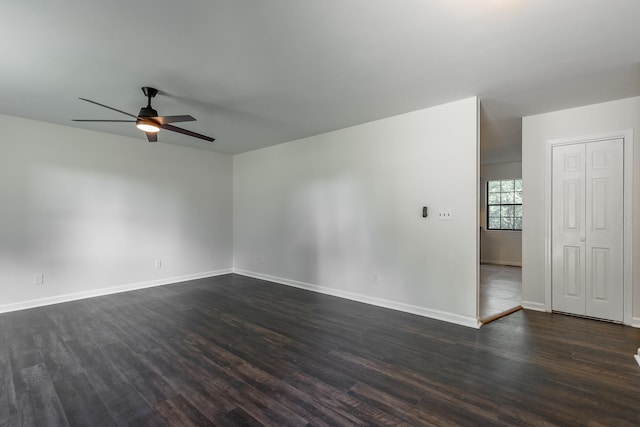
(478, 209)
(627, 137)
(548, 183)
(499, 262)
(535, 306)
(628, 227)
(407, 308)
(5, 308)
(635, 322)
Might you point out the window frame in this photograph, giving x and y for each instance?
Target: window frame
(488, 205)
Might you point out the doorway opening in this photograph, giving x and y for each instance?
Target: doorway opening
(500, 271)
(500, 291)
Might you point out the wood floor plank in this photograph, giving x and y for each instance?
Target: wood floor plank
(134, 334)
(8, 404)
(81, 321)
(151, 386)
(100, 370)
(124, 403)
(18, 336)
(477, 404)
(238, 417)
(36, 397)
(81, 403)
(422, 415)
(127, 407)
(219, 380)
(253, 401)
(211, 404)
(58, 358)
(231, 350)
(178, 411)
(285, 394)
(334, 400)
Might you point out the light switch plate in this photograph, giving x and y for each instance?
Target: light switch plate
(445, 215)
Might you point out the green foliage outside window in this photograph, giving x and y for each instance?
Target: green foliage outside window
(504, 204)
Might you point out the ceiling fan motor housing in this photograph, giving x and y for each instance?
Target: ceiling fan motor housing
(147, 112)
(149, 92)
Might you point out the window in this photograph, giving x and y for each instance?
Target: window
(504, 204)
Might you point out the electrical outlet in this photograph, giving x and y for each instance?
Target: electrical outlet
(445, 215)
(38, 279)
(158, 263)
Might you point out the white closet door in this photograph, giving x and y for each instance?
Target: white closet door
(568, 229)
(587, 229)
(604, 231)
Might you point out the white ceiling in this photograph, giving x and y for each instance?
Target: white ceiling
(261, 72)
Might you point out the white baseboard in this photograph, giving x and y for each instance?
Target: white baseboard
(500, 262)
(108, 291)
(536, 306)
(407, 308)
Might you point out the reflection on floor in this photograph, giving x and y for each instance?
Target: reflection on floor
(500, 289)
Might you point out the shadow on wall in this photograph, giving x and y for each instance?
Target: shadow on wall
(331, 230)
(93, 220)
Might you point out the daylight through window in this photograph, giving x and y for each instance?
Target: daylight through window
(504, 204)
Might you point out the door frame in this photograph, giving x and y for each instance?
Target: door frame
(627, 137)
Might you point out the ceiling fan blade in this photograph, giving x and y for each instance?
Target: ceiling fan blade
(152, 136)
(114, 121)
(173, 119)
(110, 108)
(187, 132)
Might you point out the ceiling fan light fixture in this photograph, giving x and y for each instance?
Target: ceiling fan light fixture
(147, 126)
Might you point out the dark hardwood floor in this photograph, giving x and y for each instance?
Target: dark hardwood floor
(232, 351)
(500, 290)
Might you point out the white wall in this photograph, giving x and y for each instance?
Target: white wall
(576, 122)
(93, 211)
(498, 246)
(341, 212)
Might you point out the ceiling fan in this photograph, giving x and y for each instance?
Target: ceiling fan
(148, 119)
